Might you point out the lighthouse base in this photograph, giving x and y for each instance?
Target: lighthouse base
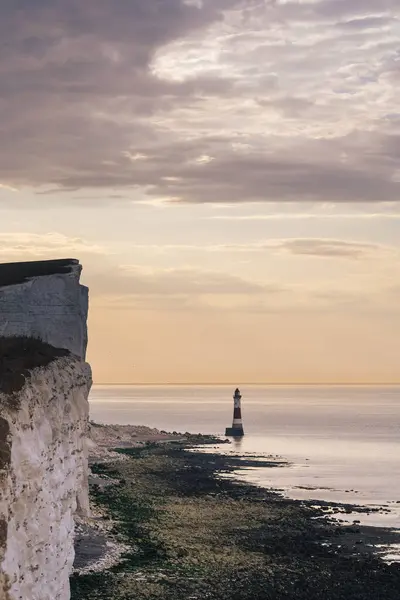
(234, 431)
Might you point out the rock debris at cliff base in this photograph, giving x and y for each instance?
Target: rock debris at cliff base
(195, 535)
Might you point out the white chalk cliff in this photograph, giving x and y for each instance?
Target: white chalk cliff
(43, 447)
(44, 299)
(44, 481)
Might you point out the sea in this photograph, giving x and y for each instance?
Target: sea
(342, 444)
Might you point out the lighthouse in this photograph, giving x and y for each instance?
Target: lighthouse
(237, 426)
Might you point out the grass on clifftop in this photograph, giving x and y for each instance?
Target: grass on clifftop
(18, 356)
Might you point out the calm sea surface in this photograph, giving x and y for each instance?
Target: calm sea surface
(343, 443)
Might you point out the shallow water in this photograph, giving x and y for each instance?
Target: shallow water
(343, 443)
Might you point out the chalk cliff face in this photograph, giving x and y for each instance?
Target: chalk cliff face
(43, 479)
(44, 299)
(44, 391)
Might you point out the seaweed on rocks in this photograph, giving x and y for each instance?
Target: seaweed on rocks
(195, 535)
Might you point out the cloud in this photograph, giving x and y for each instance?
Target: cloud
(165, 290)
(32, 246)
(137, 280)
(308, 216)
(325, 248)
(319, 247)
(136, 287)
(76, 83)
(214, 101)
(7, 187)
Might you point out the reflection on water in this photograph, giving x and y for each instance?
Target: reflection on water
(237, 443)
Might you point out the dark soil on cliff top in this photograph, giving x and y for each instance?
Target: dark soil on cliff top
(20, 272)
(18, 356)
(195, 535)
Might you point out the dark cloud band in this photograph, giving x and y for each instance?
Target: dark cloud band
(81, 105)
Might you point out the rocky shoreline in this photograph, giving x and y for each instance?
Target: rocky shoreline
(176, 530)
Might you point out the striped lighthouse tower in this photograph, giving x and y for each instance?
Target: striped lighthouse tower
(237, 426)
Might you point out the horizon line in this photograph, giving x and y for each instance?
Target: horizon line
(277, 383)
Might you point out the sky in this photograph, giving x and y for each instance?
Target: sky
(227, 172)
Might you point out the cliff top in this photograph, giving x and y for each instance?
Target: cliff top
(18, 356)
(19, 272)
